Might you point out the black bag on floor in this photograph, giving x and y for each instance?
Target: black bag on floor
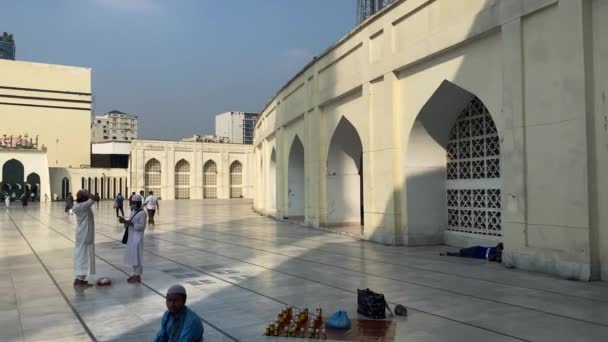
(371, 304)
(125, 236)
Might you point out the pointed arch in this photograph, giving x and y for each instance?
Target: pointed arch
(345, 176)
(236, 179)
(272, 180)
(296, 190)
(182, 179)
(152, 177)
(210, 179)
(452, 169)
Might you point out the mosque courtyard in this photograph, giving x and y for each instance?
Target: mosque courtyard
(241, 268)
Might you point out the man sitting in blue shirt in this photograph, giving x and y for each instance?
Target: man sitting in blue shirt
(479, 252)
(179, 324)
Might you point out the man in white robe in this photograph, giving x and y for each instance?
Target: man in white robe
(84, 251)
(134, 251)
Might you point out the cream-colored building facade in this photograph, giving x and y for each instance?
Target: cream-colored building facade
(52, 102)
(456, 122)
(51, 106)
(106, 182)
(192, 170)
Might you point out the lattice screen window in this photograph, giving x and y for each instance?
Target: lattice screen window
(210, 180)
(236, 180)
(182, 180)
(152, 177)
(473, 173)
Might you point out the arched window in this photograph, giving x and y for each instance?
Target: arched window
(236, 180)
(473, 173)
(152, 177)
(210, 179)
(182, 180)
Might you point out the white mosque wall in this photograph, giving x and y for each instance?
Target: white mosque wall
(402, 79)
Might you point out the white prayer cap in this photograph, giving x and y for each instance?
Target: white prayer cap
(137, 198)
(176, 289)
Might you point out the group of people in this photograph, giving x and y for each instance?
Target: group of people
(178, 323)
(151, 204)
(135, 224)
(25, 198)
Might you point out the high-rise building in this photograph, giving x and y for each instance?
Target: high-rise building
(236, 126)
(367, 8)
(114, 126)
(7, 46)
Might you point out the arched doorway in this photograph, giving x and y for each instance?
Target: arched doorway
(272, 181)
(12, 178)
(344, 176)
(152, 177)
(236, 180)
(65, 187)
(261, 182)
(33, 185)
(210, 179)
(296, 195)
(182, 180)
(452, 170)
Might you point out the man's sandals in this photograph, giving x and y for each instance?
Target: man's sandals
(82, 283)
(134, 279)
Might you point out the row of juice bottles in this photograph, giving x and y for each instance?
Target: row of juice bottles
(295, 324)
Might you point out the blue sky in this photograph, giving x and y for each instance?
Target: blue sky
(177, 63)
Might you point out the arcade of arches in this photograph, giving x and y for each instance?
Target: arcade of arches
(22, 173)
(466, 134)
(190, 170)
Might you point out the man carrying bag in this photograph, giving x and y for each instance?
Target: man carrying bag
(134, 239)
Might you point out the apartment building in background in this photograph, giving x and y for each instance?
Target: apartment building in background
(114, 126)
(236, 126)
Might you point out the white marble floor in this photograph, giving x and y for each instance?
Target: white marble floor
(241, 268)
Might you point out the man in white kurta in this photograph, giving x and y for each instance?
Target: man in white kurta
(134, 251)
(84, 251)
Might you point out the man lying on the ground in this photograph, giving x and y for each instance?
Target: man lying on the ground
(179, 323)
(479, 252)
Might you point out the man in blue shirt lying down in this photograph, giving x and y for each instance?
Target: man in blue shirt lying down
(179, 323)
(479, 252)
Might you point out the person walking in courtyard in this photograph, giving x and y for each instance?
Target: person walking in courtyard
(46, 198)
(69, 203)
(134, 251)
(179, 323)
(131, 206)
(84, 251)
(7, 200)
(152, 207)
(118, 204)
(24, 198)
